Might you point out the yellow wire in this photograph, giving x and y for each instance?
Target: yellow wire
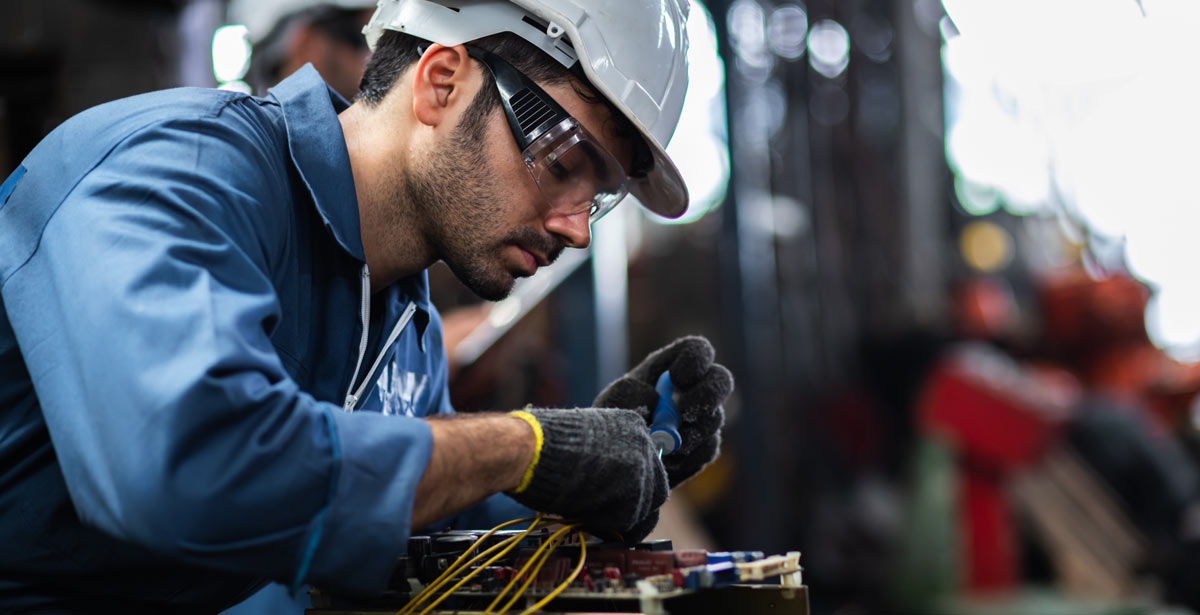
(520, 574)
(459, 565)
(507, 545)
(543, 554)
(533, 574)
(430, 589)
(565, 584)
(541, 557)
(537, 561)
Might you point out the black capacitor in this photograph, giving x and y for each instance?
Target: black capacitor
(419, 546)
(453, 543)
(497, 538)
(654, 545)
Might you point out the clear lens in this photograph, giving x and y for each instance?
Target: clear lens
(574, 172)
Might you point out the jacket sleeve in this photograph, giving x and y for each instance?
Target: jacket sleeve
(144, 318)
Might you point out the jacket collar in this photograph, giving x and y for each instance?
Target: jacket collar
(318, 150)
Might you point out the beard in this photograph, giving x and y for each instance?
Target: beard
(454, 196)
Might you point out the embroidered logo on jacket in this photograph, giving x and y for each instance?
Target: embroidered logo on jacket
(400, 390)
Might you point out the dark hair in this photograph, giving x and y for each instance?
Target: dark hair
(397, 51)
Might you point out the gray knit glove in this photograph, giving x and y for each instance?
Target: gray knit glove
(598, 467)
(701, 386)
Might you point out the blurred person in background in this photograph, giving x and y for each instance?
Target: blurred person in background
(287, 34)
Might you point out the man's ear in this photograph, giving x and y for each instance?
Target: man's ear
(439, 82)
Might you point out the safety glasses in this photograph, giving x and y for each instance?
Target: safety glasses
(574, 172)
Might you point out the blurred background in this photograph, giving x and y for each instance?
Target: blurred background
(943, 246)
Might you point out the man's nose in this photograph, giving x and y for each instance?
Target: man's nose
(574, 228)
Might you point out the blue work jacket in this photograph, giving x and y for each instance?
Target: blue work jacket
(181, 338)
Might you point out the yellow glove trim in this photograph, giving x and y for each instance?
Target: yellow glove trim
(537, 450)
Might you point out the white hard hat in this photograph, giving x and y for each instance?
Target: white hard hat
(262, 16)
(633, 51)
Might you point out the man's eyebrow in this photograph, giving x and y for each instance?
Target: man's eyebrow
(596, 160)
(614, 125)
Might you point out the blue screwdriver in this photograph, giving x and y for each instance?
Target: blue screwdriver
(664, 428)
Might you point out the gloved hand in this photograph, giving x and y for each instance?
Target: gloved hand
(701, 387)
(595, 466)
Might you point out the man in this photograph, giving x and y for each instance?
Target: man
(287, 34)
(218, 362)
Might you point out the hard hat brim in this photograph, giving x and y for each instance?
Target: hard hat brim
(663, 190)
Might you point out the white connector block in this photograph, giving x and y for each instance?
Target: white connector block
(786, 567)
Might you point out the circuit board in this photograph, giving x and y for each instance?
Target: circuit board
(650, 578)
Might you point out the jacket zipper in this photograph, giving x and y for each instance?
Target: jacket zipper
(352, 395)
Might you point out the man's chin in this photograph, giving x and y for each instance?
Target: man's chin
(492, 290)
(487, 283)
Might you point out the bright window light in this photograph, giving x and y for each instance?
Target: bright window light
(787, 30)
(1171, 321)
(747, 33)
(1095, 103)
(230, 53)
(700, 146)
(828, 48)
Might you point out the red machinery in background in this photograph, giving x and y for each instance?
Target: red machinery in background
(1001, 418)
(1005, 416)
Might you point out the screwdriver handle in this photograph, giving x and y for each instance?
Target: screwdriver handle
(664, 428)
